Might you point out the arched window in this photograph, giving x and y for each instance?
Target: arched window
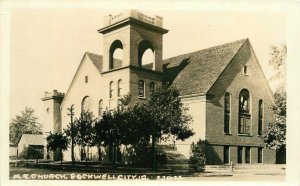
(119, 88)
(244, 112)
(141, 87)
(146, 55)
(227, 113)
(86, 104)
(151, 87)
(100, 109)
(260, 116)
(116, 54)
(111, 89)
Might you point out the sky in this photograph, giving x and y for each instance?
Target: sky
(47, 44)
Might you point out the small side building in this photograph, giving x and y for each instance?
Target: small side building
(31, 140)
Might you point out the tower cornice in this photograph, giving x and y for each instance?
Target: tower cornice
(131, 21)
(112, 22)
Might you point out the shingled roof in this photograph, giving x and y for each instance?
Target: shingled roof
(192, 73)
(196, 72)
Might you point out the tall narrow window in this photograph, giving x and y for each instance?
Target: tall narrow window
(111, 89)
(259, 155)
(151, 87)
(86, 79)
(226, 113)
(141, 87)
(226, 155)
(260, 116)
(119, 88)
(240, 154)
(247, 155)
(245, 70)
(244, 112)
(100, 107)
(86, 104)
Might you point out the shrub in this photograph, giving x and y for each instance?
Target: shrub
(197, 158)
(31, 153)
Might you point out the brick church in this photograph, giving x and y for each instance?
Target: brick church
(223, 86)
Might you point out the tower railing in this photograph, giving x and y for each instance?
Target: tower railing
(114, 18)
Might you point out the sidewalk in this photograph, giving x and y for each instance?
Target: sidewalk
(254, 169)
(210, 171)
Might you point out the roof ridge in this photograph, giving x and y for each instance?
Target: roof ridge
(210, 48)
(92, 53)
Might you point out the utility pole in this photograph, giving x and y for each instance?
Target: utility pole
(71, 110)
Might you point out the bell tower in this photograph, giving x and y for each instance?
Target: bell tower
(127, 38)
(133, 33)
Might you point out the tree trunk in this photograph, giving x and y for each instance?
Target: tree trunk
(72, 140)
(153, 155)
(86, 155)
(154, 167)
(61, 158)
(99, 153)
(114, 155)
(72, 152)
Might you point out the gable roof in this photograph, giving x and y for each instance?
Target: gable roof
(97, 60)
(98, 63)
(199, 70)
(32, 139)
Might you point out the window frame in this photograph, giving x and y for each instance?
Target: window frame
(100, 107)
(240, 154)
(119, 87)
(152, 88)
(84, 101)
(111, 90)
(260, 116)
(245, 70)
(248, 155)
(141, 88)
(226, 154)
(227, 113)
(244, 116)
(260, 155)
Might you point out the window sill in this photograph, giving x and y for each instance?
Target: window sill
(142, 98)
(228, 134)
(246, 135)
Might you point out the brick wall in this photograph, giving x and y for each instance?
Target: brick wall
(233, 80)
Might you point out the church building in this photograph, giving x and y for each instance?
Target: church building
(224, 88)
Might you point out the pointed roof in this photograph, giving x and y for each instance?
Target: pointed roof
(32, 139)
(196, 72)
(96, 59)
